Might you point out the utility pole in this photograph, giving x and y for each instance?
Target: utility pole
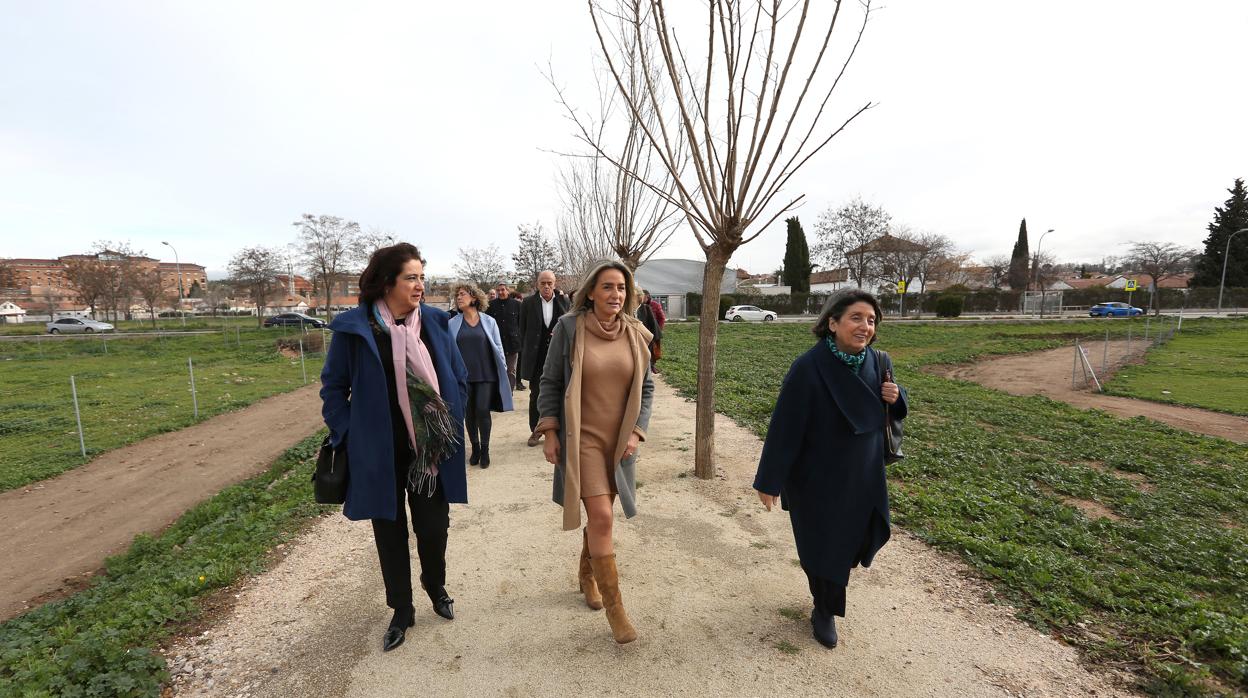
(1226, 255)
(177, 264)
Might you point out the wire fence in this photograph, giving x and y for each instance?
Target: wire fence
(1097, 357)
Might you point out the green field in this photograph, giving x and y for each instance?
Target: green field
(129, 388)
(100, 642)
(164, 324)
(1203, 366)
(1127, 538)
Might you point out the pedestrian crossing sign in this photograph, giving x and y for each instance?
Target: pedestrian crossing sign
(1132, 285)
(901, 286)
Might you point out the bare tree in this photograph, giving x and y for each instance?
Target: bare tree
(256, 269)
(580, 231)
(535, 253)
(8, 275)
(87, 278)
(151, 289)
(482, 266)
(998, 267)
(750, 117)
(116, 267)
(327, 246)
(1161, 261)
(215, 293)
(844, 236)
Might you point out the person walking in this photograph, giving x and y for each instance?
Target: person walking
(594, 405)
(538, 314)
(476, 335)
(823, 458)
(393, 392)
(506, 312)
(653, 321)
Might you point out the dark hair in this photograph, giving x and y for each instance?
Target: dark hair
(383, 268)
(836, 306)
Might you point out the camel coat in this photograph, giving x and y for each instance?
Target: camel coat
(559, 404)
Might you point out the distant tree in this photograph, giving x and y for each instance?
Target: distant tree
(1228, 218)
(535, 254)
(255, 269)
(8, 275)
(998, 270)
(328, 245)
(151, 289)
(844, 234)
(87, 278)
(196, 291)
(482, 266)
(215, 294)
(1160, 260)
(797, 266)
(937, 260)
(1020, 261)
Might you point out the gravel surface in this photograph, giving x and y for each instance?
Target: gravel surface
(708, 577)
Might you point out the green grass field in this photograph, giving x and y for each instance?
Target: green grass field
(164, 324)
(1204, 366)
(128, 388)
(1127, 538)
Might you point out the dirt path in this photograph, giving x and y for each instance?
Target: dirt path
(705, 573)
(1048, 373)
(59, 531)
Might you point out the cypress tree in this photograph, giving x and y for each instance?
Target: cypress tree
(796, 258)
(1226, 220)
(1020, 262)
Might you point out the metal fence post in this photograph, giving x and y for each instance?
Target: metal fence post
(303, 367)
(1074, 369)
(194, 397)
(1147, 320)
(82, 443)
(1105, 353)
(238, 337)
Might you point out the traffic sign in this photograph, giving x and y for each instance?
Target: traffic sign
(1132, 285)
(901, 287)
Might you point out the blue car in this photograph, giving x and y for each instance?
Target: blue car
(1113, 309)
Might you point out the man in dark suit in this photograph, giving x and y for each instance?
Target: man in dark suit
(538, 315)
(506, 312)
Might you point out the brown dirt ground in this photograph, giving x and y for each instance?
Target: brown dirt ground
(1048, 373)
(59, 531)
(707, 575)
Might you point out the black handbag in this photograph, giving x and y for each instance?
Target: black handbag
(892, 427)
(329, 480)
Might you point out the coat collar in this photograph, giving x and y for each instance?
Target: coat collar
(856, 400)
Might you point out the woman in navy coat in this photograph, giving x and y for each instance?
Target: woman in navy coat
(393, 388)
(480, 345)
(824, 453)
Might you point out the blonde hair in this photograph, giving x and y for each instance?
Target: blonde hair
(581, 301)
(478, 296)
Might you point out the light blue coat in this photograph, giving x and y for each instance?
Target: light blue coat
(503, 403)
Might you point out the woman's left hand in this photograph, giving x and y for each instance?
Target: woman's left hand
(890, 392)
(630, 449)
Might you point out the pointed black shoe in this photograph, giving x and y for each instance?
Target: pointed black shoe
(397, 632)
(824, 628)
(443, 605)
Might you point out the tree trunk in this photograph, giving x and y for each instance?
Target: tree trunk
(708, 325)
(329, 295)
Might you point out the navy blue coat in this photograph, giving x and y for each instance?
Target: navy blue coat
(824, 456)
(355, 402)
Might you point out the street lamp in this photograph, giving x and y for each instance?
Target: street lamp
(1226, 256)
(177, 265)
(1035, 269)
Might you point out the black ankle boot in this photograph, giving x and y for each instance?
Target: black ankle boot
(485, 457)
(824, 628)
(475, 458)
(403, 619)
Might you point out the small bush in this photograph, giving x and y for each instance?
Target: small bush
(949, 305)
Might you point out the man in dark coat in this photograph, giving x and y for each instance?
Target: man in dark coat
(538, 315)
(506, 312)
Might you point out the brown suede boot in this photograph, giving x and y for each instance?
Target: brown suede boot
(589, 587)
(609, 582)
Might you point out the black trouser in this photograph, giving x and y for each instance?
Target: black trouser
(535, 389)
(430, 520)
(477, 415)
(829, 596)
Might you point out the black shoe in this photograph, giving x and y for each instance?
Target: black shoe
(475, 458)
(443, 605)
(485, 458)
(397, 632)
(824, 628)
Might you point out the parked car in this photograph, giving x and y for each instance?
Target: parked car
(70, 325)
(741, 313)
(1112, 309)
(295, 319)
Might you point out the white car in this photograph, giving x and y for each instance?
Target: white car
(68, 325)
(741, 313)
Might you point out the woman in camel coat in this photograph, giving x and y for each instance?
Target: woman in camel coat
(594, 404)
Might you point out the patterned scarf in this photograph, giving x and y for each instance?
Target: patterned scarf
(853, 361)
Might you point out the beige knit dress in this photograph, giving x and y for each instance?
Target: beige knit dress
(607, 375)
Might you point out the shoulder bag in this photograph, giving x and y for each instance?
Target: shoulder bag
(329, 480)
(892, 427)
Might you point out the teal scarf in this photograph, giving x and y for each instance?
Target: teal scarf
(853, 361)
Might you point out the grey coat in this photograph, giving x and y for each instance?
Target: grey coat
(556, 378)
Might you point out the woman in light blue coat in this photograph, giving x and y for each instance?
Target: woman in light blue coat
(476, 334)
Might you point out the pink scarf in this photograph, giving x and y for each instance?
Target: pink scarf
(407, 352)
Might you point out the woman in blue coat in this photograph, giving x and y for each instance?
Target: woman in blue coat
(481, 347)
(824, 453)
(393, 389)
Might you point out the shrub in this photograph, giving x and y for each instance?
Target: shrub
(949, 305)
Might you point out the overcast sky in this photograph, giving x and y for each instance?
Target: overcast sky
(215, 125)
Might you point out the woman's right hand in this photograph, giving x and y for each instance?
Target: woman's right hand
(768, 500)
(551, 447)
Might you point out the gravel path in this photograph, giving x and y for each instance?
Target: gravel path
(706, 574)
